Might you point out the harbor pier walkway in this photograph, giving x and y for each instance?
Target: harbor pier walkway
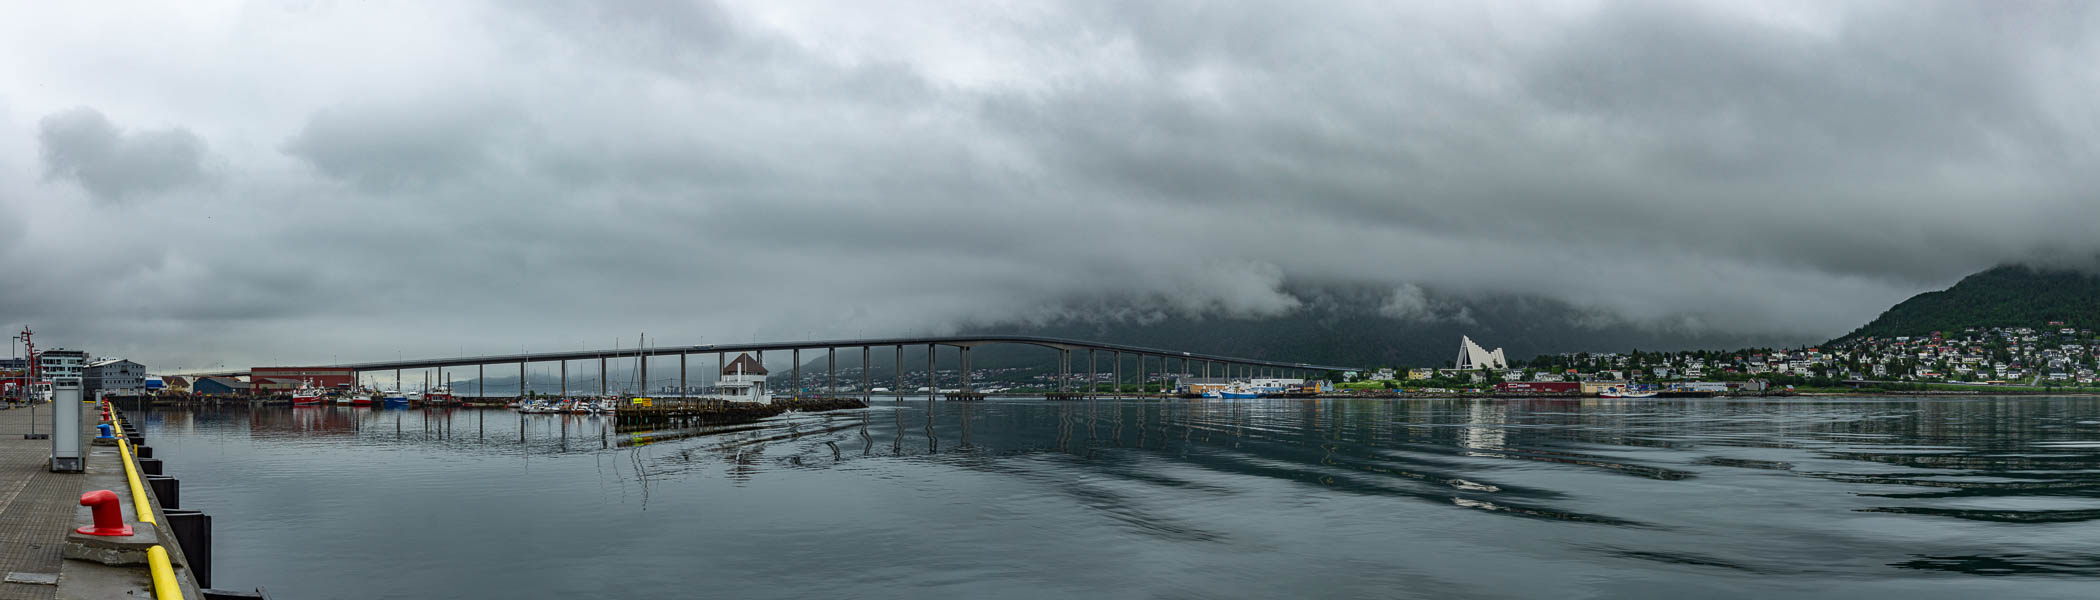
(37, 506)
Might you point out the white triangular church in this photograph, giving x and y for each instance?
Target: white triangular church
(1472, 356)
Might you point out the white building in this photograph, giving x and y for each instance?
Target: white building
(60, 363)
(1472, 356)
(743, 380)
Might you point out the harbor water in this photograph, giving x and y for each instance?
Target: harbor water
(1015, 498)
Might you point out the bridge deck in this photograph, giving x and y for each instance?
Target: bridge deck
(954, 341)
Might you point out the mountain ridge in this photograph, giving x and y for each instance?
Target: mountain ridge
(2002, 296)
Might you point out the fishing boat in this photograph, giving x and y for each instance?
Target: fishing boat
(1238, 390)
(308, 395)
(361, 398)
(440, 396)
(394, 399)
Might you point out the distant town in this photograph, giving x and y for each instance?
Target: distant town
(2049, 355)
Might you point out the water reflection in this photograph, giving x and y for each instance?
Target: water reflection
(1792, 489)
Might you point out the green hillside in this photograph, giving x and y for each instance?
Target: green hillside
(2009, 296)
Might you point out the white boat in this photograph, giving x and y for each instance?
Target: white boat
(1618, 392)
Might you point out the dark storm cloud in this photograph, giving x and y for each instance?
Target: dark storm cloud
(426, 178)
(82, 145)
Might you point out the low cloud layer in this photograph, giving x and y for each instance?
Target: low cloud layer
(265, 183)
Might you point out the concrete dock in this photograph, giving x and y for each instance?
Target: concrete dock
(41, 553)
(37, 506)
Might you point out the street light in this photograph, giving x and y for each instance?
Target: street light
(11, 356)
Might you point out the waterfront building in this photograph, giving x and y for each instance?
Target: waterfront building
(286, 379)
(744, 380)
(1472, 356)
(52, 364)
(219, 386)
(114, 375)
(1203, 385)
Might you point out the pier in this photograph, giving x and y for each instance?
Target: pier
(142, 544)
(698, 413)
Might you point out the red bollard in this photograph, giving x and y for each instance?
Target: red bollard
(109, 519)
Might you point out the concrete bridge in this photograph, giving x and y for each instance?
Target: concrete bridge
(1189, 363)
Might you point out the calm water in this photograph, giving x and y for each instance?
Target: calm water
(1873, 498)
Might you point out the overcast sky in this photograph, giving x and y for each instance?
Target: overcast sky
(284, 182)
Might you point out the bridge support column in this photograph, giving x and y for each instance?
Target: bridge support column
(641, 379)
(721, 362)
(867, 372)
(601, 376)
(1093, 386)
(521, 379)
(1117, 387)
(1064, 370)
(966, 370)
(397, 380)
(898, 365)
(681, 375)
(796, 373)
(481, 380)
(933, 383)
(565, 379)
(831, 371)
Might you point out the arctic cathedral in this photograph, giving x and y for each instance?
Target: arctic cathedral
(1472, 356)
